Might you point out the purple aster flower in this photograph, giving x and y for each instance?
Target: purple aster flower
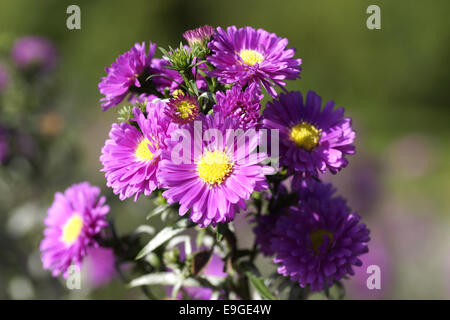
(242, 105)
(4, 78)
(263, 230)
(320, 240)
(73, 220)
(312, 139)
(182, 108)
(131, 156)
(34, 52)
(129, 73)
(248, 56)
(211, 179)
(379, 255)
(99, 266)
(199, 35)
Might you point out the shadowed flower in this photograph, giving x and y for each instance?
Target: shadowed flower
(34, 52)
(242, 105)
(312, 139)
(99, 266)
(129, 75)
(213, 179)
(249, 56)
(131, 156)
(73, 220)
(182, 108)
(320, 240)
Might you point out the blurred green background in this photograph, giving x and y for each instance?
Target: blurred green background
(393, 82)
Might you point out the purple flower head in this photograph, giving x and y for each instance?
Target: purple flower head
(182, 109)
(129, 74)
(213, 179)
(249, 56)
(320, 240)
(312, 139)
(242, 105)
(4, 78)
(379, 255)
(264, 231)
(199, 35)
(73, 220)
(34, 52)
(264, 228)
(131, 156)
(99, 266)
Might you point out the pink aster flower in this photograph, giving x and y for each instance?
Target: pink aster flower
(129, 74)
(99, 266)
(249, 56)
(182, 109)
(243, 105)
(199, 35)
(132, 155)
(73, 220)
(37, 52)
(214, 179)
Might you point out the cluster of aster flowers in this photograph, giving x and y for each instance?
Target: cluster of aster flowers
(193, 135)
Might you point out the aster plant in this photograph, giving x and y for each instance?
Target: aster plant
(194, 136)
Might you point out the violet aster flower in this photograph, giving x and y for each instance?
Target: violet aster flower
(73, 220)
(320, 240)
(34, 52)
(263, 231)
(242, 105)
(182, 108)
(279, 204)
(312, 139)
(247, 56)
(99, 266)
(4, 78)
(129, 73)
(211, 179)
(131, 156)
(199, 35)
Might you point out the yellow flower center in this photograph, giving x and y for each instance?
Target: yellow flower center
(185, 109)
(72, 229)
(143, 152)
(317, 237)
(305, 136)
(251, 57)
(177, 92)
(214, 167)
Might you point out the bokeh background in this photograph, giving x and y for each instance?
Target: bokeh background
(393, 82)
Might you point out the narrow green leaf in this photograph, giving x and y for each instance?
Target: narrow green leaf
(162, 236)
(259, 285)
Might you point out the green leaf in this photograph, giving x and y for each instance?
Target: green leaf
(163, 236)
(158, 210)
(259, 285)
(161, 278)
